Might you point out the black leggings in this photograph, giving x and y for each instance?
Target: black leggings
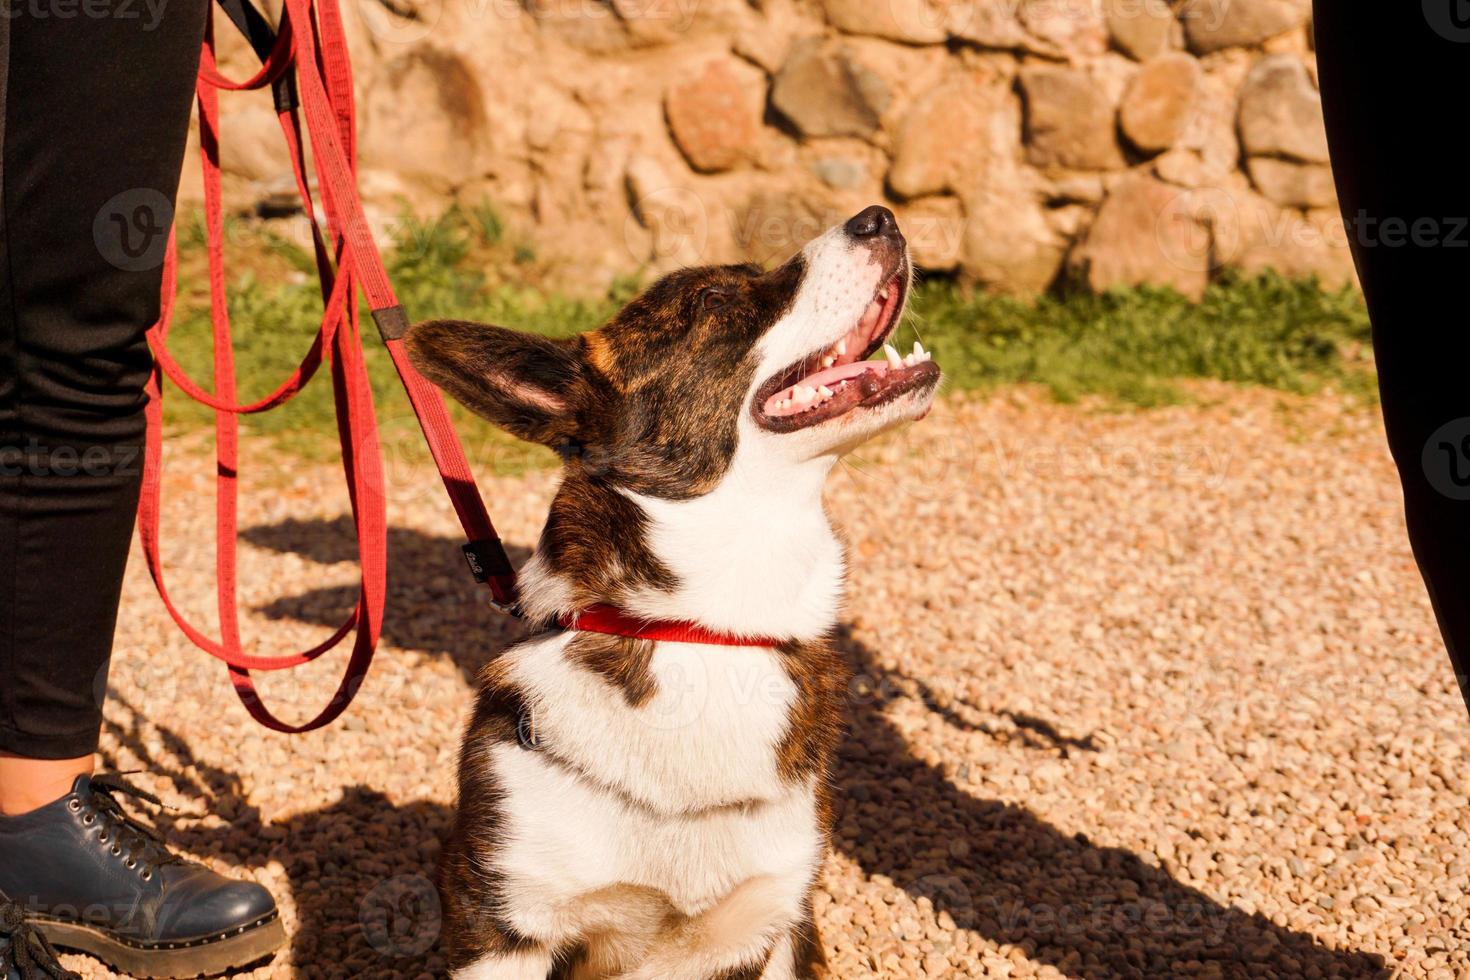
(94, 112)
(1393, 86)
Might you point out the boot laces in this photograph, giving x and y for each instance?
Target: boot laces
(25, 950)
(138, 844)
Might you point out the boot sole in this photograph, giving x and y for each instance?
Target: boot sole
(194, 958)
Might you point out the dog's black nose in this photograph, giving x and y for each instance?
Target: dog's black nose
(875, 222)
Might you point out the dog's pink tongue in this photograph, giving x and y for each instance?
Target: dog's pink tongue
(828, 377)
(841, 372)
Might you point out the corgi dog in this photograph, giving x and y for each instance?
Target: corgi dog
(656, 807)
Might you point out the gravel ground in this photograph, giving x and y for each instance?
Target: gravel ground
(1143, 694)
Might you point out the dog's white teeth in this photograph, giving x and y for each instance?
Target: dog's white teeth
(803, 395)
(824, 391)
(894, 361)
(842, 347)
(918, 349)
(828, 361)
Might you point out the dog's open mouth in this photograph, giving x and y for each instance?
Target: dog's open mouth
(836, 380)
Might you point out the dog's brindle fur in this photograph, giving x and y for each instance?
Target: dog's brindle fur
(724, 807)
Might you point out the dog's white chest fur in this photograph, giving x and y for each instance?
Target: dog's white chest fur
(755, 556)
(680, 794)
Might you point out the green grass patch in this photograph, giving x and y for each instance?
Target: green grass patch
(1131, 347)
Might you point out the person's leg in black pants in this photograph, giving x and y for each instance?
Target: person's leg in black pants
(1393, 82)
(95, 118)
(94, 114)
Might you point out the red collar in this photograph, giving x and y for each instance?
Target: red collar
(613, 621)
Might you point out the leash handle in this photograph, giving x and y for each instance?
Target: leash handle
(307, 66)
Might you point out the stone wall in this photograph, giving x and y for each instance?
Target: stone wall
(1022, 142)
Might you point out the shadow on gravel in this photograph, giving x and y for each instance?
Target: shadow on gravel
(1091, 911)
(361, 870)
(433, 603)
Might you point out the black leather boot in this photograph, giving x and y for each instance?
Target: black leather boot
(24, 953)
(92, 878)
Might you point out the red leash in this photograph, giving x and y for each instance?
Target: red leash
(307, 67)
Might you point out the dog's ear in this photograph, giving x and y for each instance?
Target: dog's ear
(533, 387)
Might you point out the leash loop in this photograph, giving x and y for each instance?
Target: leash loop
(307, 66)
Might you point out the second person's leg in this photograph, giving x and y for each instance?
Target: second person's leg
(1391, 75)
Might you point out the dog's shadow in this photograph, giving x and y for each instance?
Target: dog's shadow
(1088, 910)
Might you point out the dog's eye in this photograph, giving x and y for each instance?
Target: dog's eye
(713, 299)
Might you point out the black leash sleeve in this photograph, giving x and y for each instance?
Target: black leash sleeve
(262, 37)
